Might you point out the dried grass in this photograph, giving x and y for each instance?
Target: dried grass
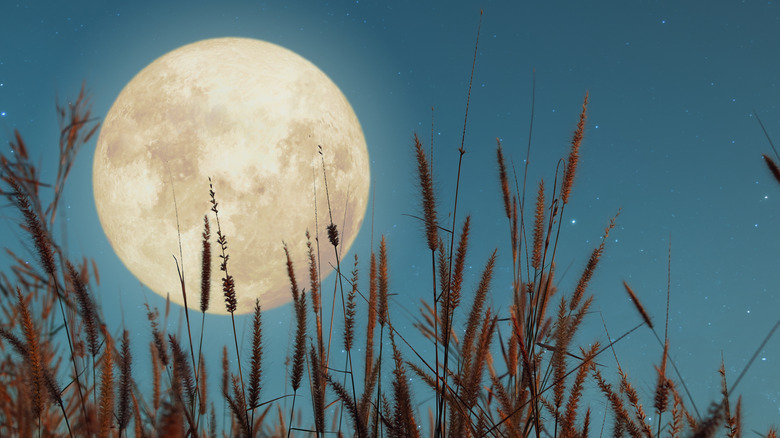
(428, 200)
(574, 154)
(256, 371)
(106, 412)
(536, 259)
(205, 267)
(125, 382)
(535, 387)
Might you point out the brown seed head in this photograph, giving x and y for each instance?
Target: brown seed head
(333, 235)
(382, 282)
(205, 271)
(772, 167)
(574, 154)
(229, 289)
(429, 202)
(638, 305)
(536, 259)
(504, 180)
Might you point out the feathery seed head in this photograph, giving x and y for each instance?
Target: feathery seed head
(229, 289)
(574, 154)
(333, 235)
(504, 180)
(382, 282)
(205, 271)
(536, 259)
(429, 202)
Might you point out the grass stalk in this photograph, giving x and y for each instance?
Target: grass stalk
(228, 289)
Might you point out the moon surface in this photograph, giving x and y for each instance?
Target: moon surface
(250, 115)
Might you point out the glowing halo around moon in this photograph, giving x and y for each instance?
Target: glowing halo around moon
(250, 115)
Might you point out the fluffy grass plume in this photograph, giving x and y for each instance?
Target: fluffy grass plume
(574, 154)
(429, 202)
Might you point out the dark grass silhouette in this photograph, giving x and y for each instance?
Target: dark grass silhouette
(512, 373)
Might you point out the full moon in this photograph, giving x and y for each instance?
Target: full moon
(250, 115)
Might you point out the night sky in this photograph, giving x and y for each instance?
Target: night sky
(671, 141)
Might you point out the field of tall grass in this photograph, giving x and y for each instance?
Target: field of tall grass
(513, 371)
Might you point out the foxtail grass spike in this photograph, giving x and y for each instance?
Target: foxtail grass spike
(36, 229)
(349, 322)
(574, 154)
(536, 259)
(125, 382)
(502, 176)
(256, 371)
(205, 271)
(372, 317)
(460, 262)
(638, 304)
(382, 282)
(106, 407)
(429, 202)
(772, 167)
(87, 308)
(34, 359)
(300, 342)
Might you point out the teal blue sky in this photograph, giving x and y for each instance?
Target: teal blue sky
(671, 141)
